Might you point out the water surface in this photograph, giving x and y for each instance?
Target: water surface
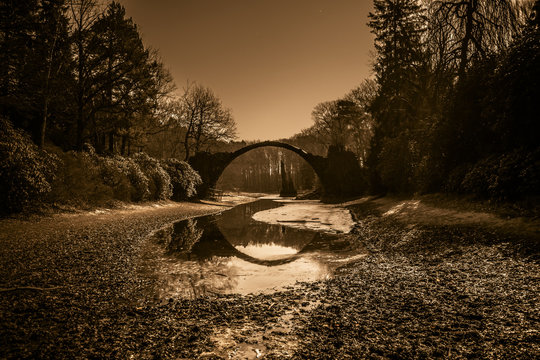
(232, 253)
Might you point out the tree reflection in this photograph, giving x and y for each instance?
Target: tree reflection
(179, 238)
(208, 255)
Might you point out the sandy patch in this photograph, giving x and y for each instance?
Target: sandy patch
(309, 214)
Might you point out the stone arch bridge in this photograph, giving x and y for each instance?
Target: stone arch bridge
(339, 172)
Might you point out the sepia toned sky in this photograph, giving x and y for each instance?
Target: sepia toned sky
(270, 61)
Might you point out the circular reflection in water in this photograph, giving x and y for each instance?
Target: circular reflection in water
(232, 253)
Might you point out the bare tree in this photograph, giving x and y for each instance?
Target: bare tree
(83, 16)
(205, 119)
(334, 121)
(362, 125)
(53, 25)
(474, 28)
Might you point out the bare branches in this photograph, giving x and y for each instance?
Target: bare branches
(204, 119)
(474, 28)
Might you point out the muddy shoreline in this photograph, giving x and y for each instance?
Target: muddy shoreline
(428, 289)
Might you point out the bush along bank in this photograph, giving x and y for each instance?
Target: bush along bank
(30, 176)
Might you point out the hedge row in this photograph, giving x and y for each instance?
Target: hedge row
(508, 177)
(29, 175)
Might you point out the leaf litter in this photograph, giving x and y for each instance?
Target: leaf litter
(426, 290)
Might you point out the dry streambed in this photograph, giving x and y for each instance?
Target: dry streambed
(427, 290)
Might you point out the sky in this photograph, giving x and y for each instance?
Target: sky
(270, 61)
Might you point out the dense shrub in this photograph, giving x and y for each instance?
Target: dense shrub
(123, 175)
(426, 175)
(510, 176)
(110, 170)
(79, 181)
(29, 175)
(86, 178)
(454, 182)
(159, 180)
(26, 172)
(138, 180)
(184, 179)
(395, 164)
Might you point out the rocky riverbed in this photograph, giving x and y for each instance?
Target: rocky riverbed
(440, 281)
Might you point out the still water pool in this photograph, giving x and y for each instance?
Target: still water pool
(232, 253)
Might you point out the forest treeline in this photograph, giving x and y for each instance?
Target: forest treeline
(77, 71)
(454, 102)
(452, 107)
(81, 97)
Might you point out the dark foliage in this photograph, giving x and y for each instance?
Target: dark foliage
(159, 180)
(184, 179)
(344, 177)
(26, 172)
(463, 116)
(74, 73)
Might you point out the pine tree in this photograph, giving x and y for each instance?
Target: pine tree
(398, 26)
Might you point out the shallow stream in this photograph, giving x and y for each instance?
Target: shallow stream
(232, 253)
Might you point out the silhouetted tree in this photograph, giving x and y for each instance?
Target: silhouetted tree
(129, 79)
(334, 121)
(118, 81)
(399, 26)
(35, 62)
(17, 22)
(362, 125)
(476, 28)
(54, 59)
(205, 119)
(84, 14)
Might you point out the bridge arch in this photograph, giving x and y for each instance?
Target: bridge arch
(309, 158)
(211, 166)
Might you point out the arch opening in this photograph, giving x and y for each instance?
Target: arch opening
(267, 170)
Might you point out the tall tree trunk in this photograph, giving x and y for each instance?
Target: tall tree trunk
(111, 142)
(186, 147)
(46, 95)
(80, 95)
(43, 123)
(79, 126)
(464, 51)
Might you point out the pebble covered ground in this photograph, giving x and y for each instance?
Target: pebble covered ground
(70, 289)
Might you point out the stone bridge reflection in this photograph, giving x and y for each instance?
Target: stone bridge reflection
(232, 252)
(226, 234)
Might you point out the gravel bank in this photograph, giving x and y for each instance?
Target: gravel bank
(431, 288)
(64, 278)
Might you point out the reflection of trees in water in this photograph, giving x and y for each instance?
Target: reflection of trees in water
(185, 236)
(261, 234)
(179, 238)
(198, 252)
(218, 235)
